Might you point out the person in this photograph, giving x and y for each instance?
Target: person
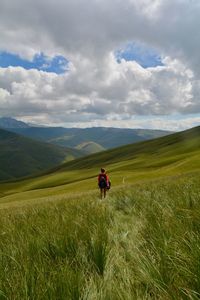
(103, 183)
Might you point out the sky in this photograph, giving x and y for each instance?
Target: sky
(120, 63)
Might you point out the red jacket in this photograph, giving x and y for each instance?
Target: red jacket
(105, 176)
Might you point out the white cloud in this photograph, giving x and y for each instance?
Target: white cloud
(96, 86)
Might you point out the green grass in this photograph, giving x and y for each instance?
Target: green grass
(59, 241)
(143, 242)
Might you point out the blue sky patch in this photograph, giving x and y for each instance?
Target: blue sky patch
(57, 64)
(146, 57)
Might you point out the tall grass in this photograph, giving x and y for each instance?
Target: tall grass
(143, 242)
(51, 252)
(162, 244)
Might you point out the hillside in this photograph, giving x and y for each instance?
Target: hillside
(20, 156)
(90, 147)
(156, 153)
(166, 156)
(141, 242)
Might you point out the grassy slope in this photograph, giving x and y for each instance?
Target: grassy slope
(20, 156)
(170, 155)
(90, 147)
(142, 243)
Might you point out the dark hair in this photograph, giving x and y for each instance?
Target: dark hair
(103, 170)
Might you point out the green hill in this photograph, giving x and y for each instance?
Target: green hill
(166, 156)
(20, 156)
(90, 147)
(178, 148)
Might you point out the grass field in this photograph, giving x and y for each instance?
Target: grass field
(60, 241)
(142, 242)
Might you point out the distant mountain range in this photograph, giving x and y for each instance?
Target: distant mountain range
(27, 150)
(98, 138)
(21, 156)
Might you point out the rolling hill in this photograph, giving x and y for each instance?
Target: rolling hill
(166, 156)
(90, 147)
(21, 156)
(178, 148)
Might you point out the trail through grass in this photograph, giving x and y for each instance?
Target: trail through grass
(143, 242)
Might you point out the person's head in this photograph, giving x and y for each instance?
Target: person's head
(103, 170)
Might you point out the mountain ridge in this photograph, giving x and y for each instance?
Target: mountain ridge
(105, 137)
(9, 123)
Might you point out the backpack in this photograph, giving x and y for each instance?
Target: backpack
(102, 181)
(109, 185)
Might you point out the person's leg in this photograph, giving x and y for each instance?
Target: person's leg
(101, 193)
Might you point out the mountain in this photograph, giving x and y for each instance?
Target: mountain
(21, 156)
(105, 137)
(6, 122)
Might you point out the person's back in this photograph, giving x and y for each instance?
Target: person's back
(103, 182)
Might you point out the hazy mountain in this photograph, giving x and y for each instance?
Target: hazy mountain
(103, 136)
(6, 122)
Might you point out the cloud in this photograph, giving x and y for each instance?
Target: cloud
(88, 33)
(123, 89)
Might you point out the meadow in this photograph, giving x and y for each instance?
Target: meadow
(142, 242)
(60, 241)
